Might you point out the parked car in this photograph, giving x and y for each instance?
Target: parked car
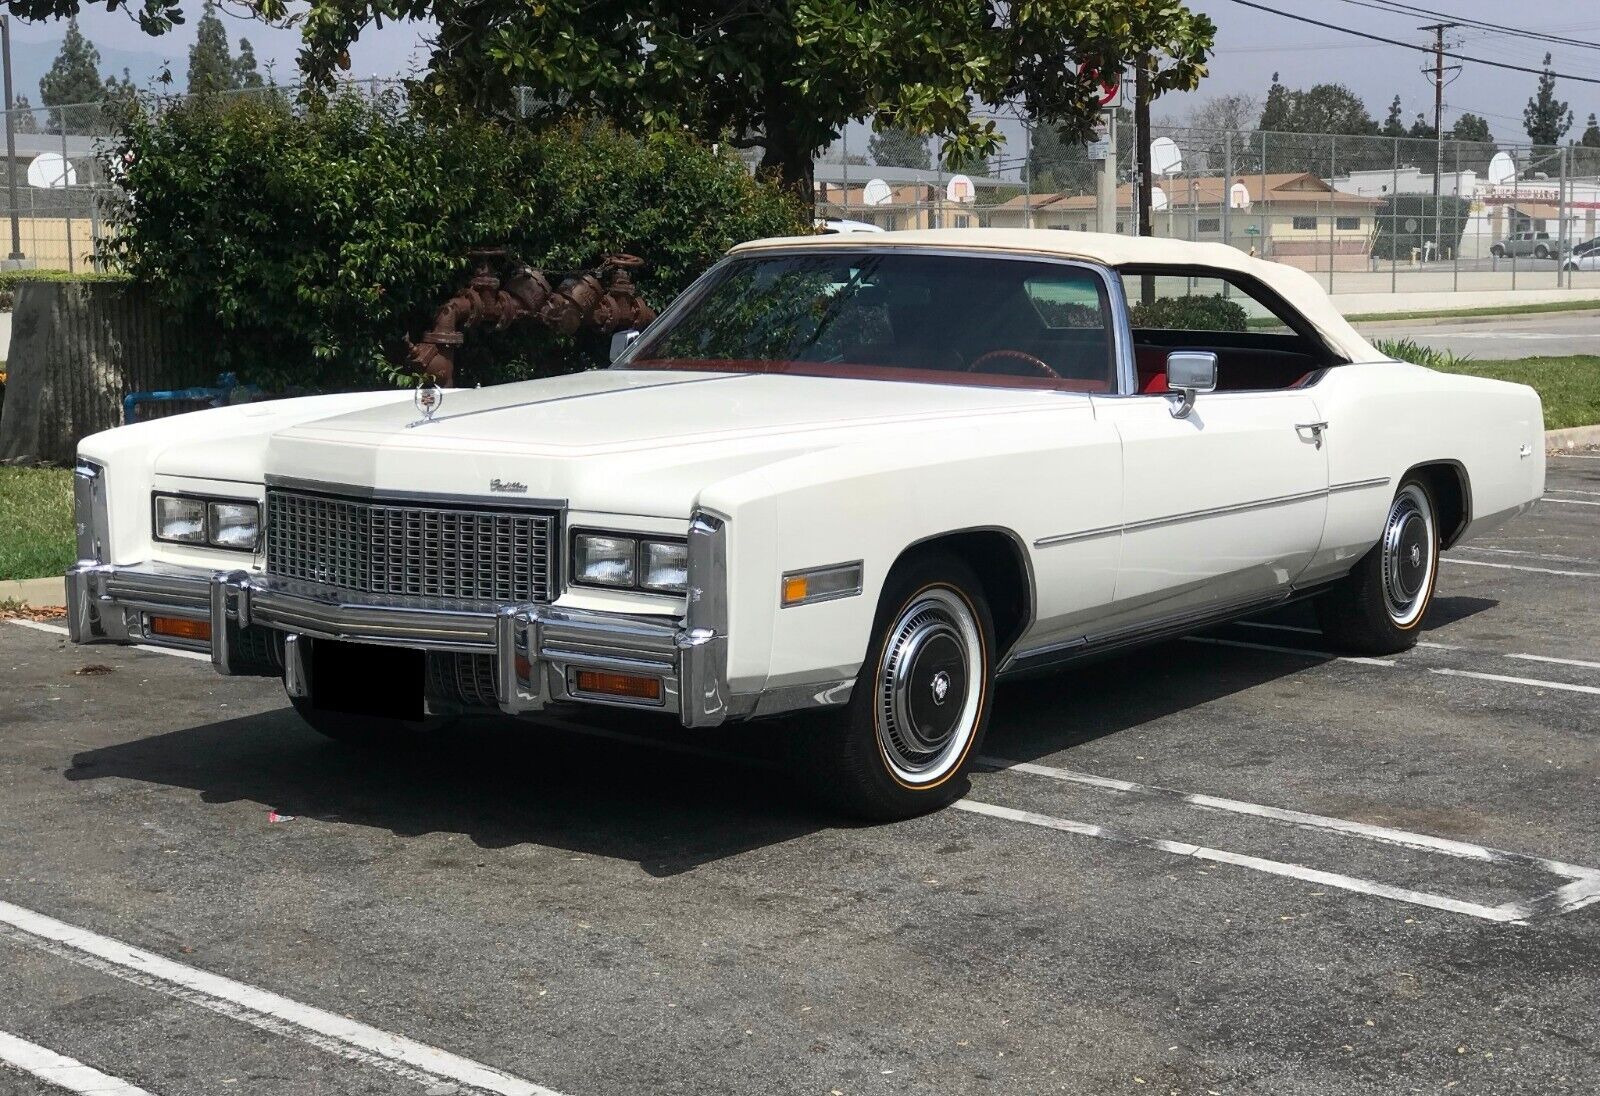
(1585, 256)
(855, 480)
(1539, 245)
(844, 226)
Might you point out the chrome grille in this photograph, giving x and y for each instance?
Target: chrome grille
(379, 547)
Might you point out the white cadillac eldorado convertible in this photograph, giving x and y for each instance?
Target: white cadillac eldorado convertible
(857, 479)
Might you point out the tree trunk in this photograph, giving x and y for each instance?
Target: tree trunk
(793, 168)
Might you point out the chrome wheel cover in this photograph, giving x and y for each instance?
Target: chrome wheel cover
(1410, 555)
(930, 687)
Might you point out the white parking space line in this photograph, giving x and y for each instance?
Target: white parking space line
(1505, 679)
(1524, 554)
(261, 1008)
(1288, 650)
(61, 1071)
(1571, 502)
(56, 629)
(1559, 661)
(1571, 491)
(1318, 632)
(1583, 888)
(1519, 567)
(1575, 456)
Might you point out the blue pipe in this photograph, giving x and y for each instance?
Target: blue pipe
(218, 396)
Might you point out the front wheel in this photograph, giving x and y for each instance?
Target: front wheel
(1541, 253)
(904, 743)
(1497, 251)
(1377, 609)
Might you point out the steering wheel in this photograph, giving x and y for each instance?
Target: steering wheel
(1022, 356)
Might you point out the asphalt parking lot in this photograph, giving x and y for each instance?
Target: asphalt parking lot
(1233, 864)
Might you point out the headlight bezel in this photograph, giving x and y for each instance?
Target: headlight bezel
(638, 555)
(209, 537)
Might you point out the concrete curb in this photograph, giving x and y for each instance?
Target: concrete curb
(1439, 321)
(35, 593)
(1576, 437)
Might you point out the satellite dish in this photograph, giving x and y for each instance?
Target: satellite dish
(51, 171)
(1165, 159)
(876, 192)
(1502, 168)
(1158, 198)
(960, 189)
(1238, 196)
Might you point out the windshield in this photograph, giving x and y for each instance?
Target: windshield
(894, 315)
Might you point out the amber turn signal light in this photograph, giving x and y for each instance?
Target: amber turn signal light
(630, 686)
(178, 628)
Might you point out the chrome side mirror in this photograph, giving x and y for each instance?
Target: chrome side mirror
(621, 341)
(1189, 373)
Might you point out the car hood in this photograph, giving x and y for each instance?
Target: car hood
(621, 441)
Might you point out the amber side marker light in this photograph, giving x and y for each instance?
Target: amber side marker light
(179, 628)
(630, 686)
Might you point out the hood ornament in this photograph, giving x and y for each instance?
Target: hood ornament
(428, 397)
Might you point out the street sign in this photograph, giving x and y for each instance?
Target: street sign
(1099, 148)
(1110, 95)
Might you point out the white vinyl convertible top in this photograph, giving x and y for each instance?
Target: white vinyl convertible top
(1299, 289)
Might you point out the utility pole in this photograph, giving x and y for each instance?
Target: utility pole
(1438, 121)
(11, 140)
(1141, 125)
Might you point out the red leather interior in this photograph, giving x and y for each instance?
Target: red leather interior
(1151, 362)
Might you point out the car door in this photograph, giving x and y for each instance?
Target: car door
(1225, 505)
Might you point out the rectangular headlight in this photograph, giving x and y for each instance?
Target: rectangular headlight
(664, 565)
(180, 519)
(604, 560)
(234, 525)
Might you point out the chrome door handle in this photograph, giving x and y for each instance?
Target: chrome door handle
(1316, 428)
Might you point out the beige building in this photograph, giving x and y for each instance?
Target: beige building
(1293, 217)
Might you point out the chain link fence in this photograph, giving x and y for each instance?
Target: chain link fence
(1361, 214)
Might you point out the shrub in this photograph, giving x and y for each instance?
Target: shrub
(1198, 313)
(10, 279)
(307, 244)
(1409, 350)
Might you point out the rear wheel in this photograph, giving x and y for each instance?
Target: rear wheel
(1378, 607)
(1497, 251)
(905, 742)
(1541, 252)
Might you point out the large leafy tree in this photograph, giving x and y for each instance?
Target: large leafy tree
(785, 76)
(896, 147)
(1546, 118)
(80, 101)
(1470, 127)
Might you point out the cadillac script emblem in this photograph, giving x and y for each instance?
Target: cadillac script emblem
(428, 398)
(508, 487)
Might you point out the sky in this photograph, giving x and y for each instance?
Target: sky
(1251, 45)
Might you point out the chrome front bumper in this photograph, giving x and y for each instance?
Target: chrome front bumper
(537, 648)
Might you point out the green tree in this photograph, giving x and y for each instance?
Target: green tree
(896, 147)
(245, 72)
(1546, 119)
(211, 66)
(23, 119)
(1058, 163)
(1591, 133)
(1470, 127)
(1275, 114)
(74, 78)
(785, 77)
(1392, 124)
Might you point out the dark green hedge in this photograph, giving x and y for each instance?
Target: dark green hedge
(10, 279)
(1200, 313)
(303, 246)
(1406, 221)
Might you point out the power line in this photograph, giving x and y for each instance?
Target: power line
(1393, 7)
(1414, 46)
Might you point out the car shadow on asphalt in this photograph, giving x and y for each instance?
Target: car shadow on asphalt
(1039, 717)
(498, 783)
(628, 789)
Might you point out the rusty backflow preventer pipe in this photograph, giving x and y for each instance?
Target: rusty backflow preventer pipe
(503, 291)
